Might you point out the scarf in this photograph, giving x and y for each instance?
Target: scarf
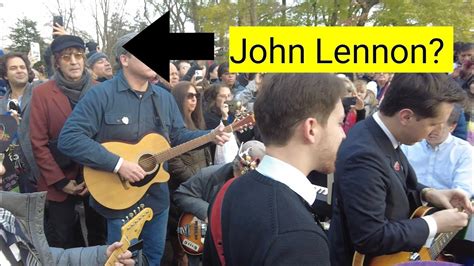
(74, 90)
(15, 238)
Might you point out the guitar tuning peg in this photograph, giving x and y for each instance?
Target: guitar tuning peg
(123, 221)
(138, 208)
(135, 212)
(142, 205)
(130, 215)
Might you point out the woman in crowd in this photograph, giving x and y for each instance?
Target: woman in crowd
(188, 164)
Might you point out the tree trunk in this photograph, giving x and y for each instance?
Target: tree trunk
(283, 13)
(253, 12)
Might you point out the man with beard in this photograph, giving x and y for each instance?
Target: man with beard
(265, 216)
(14, 68)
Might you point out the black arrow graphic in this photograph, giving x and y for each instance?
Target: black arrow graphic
(155, 46)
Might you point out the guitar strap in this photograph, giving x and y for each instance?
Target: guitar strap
(216, 221)
(158, 118)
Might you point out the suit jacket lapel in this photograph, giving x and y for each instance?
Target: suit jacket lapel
(387, 148)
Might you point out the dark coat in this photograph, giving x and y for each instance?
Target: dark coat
(372, 200)
(264, 222)
(194, 195)
(181, 168)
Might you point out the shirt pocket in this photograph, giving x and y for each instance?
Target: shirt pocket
(119, 127)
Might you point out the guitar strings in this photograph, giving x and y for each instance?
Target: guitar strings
(153, 160)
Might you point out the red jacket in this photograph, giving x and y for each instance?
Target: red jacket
(49, 110)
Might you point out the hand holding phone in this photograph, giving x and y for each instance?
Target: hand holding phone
(58, 21)
(58, 26)
(198, 74)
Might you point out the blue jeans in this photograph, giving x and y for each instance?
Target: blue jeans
(153, 235)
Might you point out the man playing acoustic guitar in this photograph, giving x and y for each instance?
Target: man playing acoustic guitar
(375, 187)
(125, 109)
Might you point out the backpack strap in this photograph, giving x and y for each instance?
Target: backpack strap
(216, 221)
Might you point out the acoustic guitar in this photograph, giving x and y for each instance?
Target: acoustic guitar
(115, 192)
(131, 229)
(191, 233)
(440, 241)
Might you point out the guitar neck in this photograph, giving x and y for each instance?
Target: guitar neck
(190, 145)
(440, 242)
(114, 256)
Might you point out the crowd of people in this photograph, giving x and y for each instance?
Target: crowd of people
(394, 142)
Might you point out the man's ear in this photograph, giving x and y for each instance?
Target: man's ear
(124, 59)
(311, 129)
(405, 115)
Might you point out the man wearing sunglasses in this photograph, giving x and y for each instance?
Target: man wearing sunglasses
(51, 104)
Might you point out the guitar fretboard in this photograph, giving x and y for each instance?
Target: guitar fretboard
(187, 146)
(440, 243)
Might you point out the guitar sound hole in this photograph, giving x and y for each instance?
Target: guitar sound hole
(147, 162)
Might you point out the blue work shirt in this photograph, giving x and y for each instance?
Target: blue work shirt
(112, 111)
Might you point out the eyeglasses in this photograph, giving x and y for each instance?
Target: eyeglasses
(192, 95)
(67, 57)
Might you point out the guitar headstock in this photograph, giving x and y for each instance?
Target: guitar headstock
(243, 122)
(134, 222)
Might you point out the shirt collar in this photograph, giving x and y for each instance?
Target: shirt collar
(290, 176)
(125, 86)
(389, 134)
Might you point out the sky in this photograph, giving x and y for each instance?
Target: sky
(40, 11)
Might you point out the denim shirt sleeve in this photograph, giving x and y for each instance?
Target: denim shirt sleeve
(76, 138)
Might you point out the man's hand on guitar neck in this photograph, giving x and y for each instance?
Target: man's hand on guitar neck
(132, 172)
(221, 136)
(124, 258)
(448, 199)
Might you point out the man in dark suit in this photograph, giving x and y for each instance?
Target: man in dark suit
(375, 187)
